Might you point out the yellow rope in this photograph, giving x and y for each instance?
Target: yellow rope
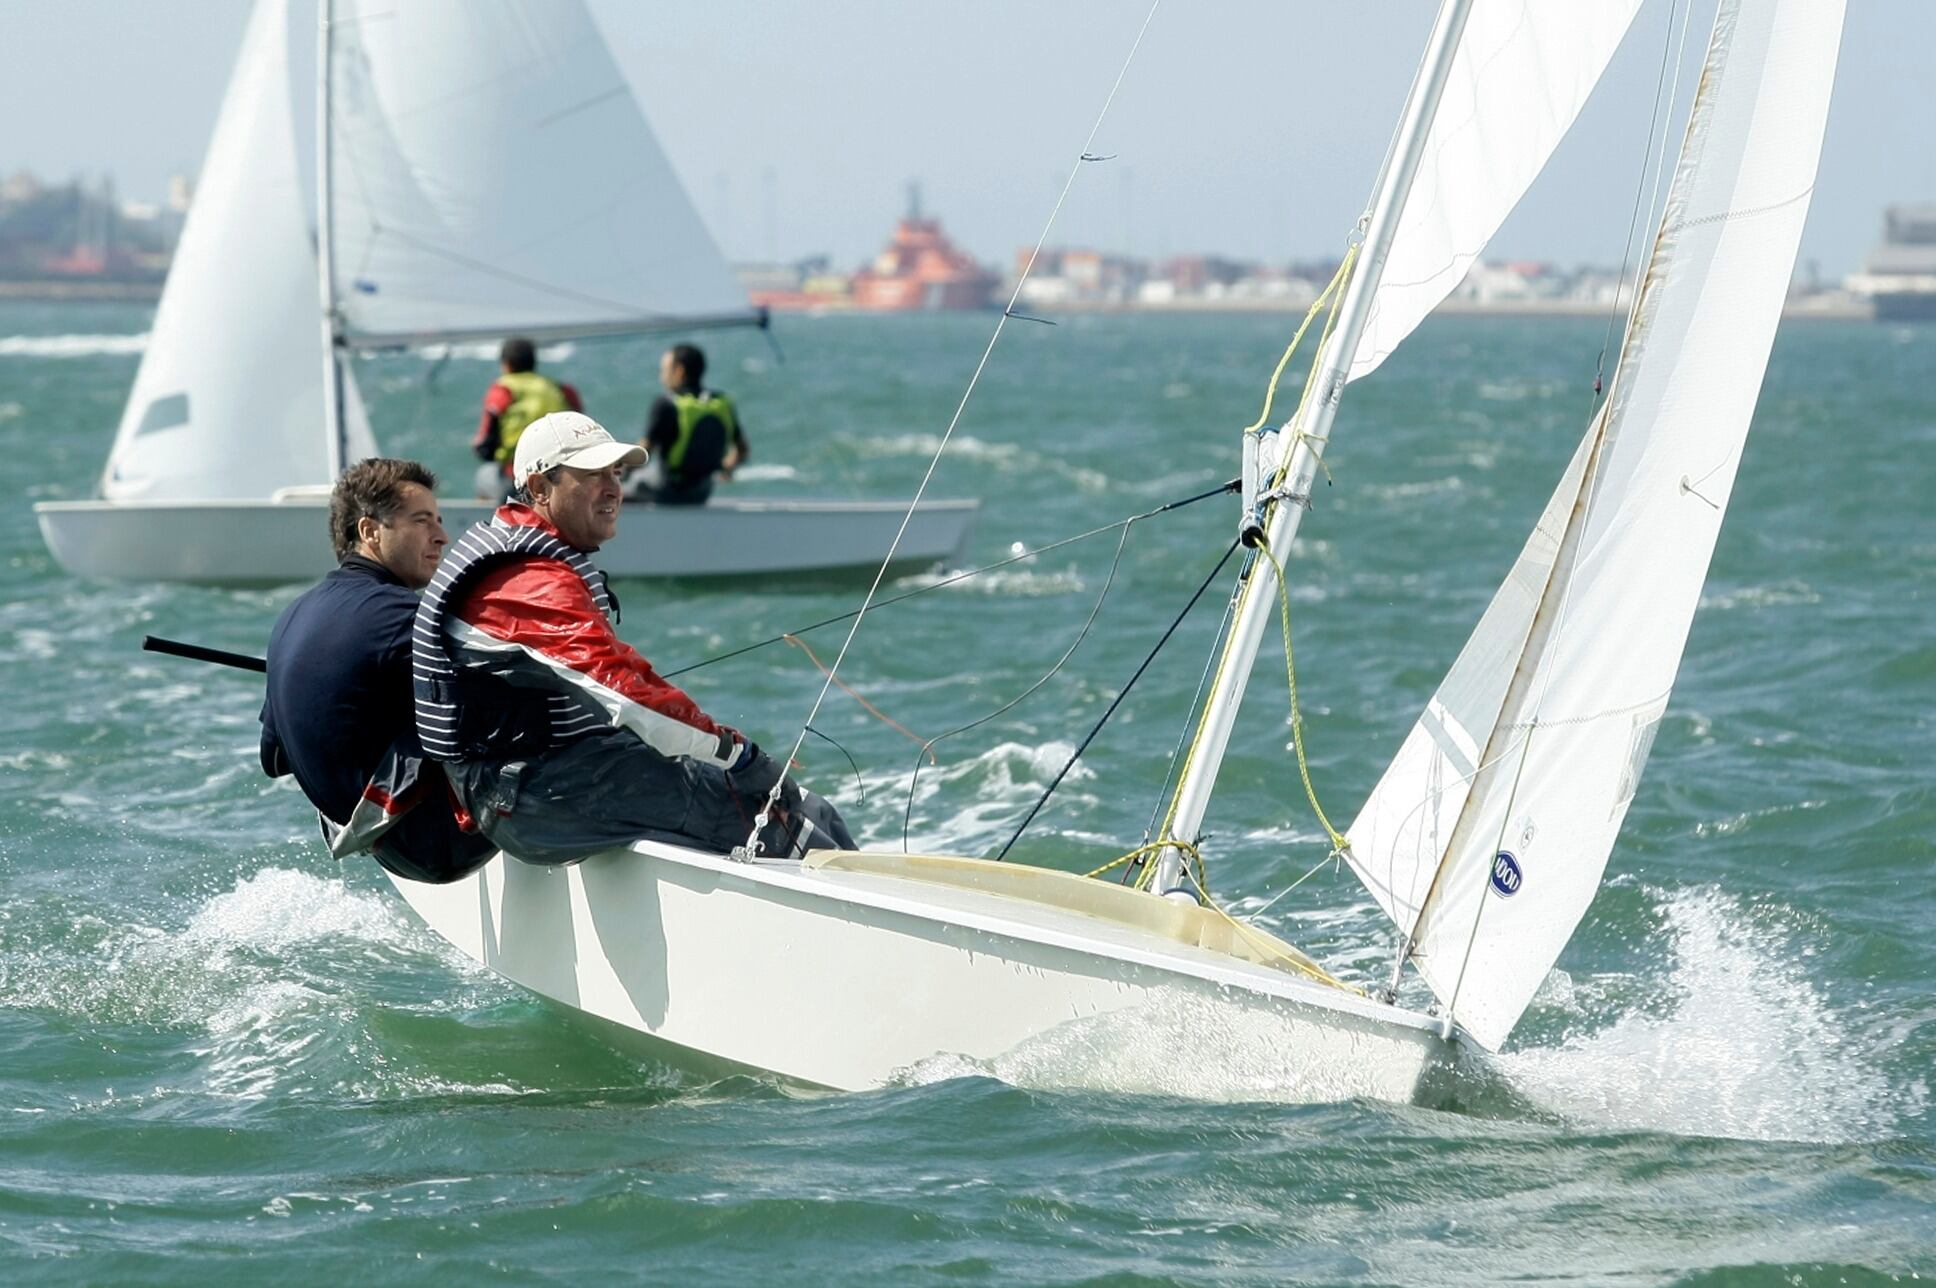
(1338, 841)
(1264, 943)
(1337, 279)
(1333, 294)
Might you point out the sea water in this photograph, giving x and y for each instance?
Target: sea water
(230, 1059)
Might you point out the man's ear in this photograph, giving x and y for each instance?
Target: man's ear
(366, 530)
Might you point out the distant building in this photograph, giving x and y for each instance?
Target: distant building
(19, 188)
(1900, 275)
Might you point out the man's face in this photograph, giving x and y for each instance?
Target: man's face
(672, 373)
(581, 504)
(412, 543)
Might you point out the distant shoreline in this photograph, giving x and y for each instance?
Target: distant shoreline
(1830, 305)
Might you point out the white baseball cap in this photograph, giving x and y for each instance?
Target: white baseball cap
(569, 438)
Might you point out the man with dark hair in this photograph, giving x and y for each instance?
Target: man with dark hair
(337, 713)
(692, 433)
(517, 397)
(561, 738)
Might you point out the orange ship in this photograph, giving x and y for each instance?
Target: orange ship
(921, 269)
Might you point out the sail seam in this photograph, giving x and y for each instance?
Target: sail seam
(1636, 708)
(1749, 213)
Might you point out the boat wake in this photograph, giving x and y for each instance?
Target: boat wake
(1746, 1047)
(268, 987)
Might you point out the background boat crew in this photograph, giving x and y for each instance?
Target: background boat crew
(562, 739)
(517, 397)
(693, 434)
(337, 712)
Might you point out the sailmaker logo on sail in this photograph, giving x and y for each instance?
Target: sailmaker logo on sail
(1506, 876)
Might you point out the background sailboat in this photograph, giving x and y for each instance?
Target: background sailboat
(483, 170)
(1487, 837)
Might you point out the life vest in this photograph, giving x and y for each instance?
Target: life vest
(463, 714)
(707, 427)
(532, 396)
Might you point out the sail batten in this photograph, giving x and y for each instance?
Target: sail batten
(1565, 688)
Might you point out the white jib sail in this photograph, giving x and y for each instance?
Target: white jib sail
(228, 402)
(493, 175)
(1523, 71)
(1487, 836)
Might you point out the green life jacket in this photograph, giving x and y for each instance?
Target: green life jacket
(532, 396)
(707, 427)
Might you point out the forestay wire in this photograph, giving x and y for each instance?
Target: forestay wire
(1088, 154)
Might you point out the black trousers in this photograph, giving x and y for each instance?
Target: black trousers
(570, 802)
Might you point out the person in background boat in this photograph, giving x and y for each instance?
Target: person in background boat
(517, 397)
(692, 434)
(560, 739)
(337, 712)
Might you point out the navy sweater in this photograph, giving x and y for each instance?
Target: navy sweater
(339, 683)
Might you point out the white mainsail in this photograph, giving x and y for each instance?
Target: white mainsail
(1523, 70)
(1486, 838)
(493, 175)
(228, 400)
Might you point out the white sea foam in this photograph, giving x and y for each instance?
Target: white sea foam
(998, 784)
(1169, 1044)
(1745, 1047)
(1014, 580)
(258, 972)
(1779, 594)
(70, 346)
(1008, 458)
(279, 908)
(765, 473)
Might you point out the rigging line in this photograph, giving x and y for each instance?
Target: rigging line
(927, 748)
(1118, 700)
(855, 694)
(1190, 712)
(1633, 218)
(753, 840)
(934, 463)
(859, 782)
(953, 578)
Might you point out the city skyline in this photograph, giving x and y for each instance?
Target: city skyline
(1239, 129)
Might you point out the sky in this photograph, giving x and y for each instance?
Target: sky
(1248, 128)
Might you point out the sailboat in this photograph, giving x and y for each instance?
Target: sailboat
(1485, 839)
(482, 170)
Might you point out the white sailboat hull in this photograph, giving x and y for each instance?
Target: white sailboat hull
(845, 978)
(271, 542)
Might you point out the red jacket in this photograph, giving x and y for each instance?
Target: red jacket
(543, 610)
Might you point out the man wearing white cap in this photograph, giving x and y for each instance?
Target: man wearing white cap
(561, 740)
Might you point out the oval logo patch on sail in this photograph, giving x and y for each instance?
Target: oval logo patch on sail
(1506, 876)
